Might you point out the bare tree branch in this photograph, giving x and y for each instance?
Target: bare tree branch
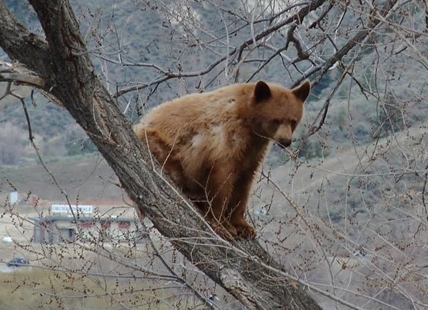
(20, 76)
(370, 25)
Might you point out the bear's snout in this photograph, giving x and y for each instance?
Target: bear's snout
(284, 143)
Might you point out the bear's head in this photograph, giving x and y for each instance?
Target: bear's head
(278, 110)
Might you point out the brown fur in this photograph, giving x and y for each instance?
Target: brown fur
(211, 144)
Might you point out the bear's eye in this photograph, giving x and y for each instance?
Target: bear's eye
(293, 124)
(276, 122)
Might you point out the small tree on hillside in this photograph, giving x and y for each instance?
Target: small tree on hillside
(12, 144)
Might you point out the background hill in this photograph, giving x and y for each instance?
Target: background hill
(81, 177)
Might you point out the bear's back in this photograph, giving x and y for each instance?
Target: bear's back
(203, 129)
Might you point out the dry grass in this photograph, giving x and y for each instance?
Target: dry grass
(41, 288)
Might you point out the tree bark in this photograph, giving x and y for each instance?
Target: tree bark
(243, 268)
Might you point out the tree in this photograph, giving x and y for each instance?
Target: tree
(61, 68)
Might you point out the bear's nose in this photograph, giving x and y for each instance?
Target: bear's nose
(284, 142)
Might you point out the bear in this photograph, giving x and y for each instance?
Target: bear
(212, 144)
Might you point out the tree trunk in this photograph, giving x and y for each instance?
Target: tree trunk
(243, 268)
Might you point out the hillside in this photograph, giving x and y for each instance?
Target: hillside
(82, 178)
(89, 178)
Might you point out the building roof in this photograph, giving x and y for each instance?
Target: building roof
(55, 218)
(114, 214)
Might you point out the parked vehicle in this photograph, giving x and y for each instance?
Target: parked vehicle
(18, 262)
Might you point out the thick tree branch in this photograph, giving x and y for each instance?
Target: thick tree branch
(26, 47)
(240, 268)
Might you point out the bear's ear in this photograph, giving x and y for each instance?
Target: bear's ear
(302, 91)
(262, 91)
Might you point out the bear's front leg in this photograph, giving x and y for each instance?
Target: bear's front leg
(243, 229)
(219, 190)
(238, 205)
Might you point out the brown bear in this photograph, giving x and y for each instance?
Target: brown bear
(211, 144)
